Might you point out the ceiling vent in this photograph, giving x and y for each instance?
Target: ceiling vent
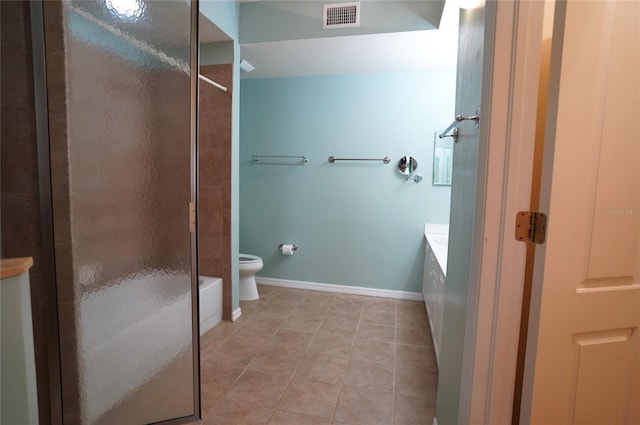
(341, 15)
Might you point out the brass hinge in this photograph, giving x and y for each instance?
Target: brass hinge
(531, 226)
(192, 217)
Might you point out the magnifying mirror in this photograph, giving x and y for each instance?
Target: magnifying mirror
(407, 165)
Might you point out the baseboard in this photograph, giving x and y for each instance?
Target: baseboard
(343, 289)
(235, 315)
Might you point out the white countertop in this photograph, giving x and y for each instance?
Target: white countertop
(437, 236)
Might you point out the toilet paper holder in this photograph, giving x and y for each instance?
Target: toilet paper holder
(294, 247)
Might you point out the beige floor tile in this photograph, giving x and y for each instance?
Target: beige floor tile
(234, 354)
(411, 307)
(364, 406)
(247, 306)
(335, 345)
(323, 368)
(216, 379)
(290, 338)
(378, 317)
(252, 333)
(277, 308)
(413, 410)
(350, 299)
(289, 295)
(267, 291)
(281, 417)
(302, 322)
(415, 356)
(209, 342)
(363, 374)
(338, 324)
(221, 331)
(383, 304)
(409, 336)
(261, 389)
(317, 297)
(418, 382)
(310, 397)
(320, 359)
(373, 351)
(227, 412)
(276, 361)
(267, 320)
(288, 342)
(413, 321)
(344, 311)
(376, 332)
(310, 310)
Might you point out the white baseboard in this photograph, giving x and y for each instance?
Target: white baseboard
(236, 314)
(343, 289)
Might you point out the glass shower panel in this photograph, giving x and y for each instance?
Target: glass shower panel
(126, 329)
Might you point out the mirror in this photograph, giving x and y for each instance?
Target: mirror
(407, 165)
(442, 160)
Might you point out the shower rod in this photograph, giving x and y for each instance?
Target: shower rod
(213, 83)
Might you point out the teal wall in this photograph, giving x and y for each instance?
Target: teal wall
(354, 223)
(226, 15)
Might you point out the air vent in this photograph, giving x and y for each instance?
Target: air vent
(341, 15)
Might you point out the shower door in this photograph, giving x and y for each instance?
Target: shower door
(121, 124)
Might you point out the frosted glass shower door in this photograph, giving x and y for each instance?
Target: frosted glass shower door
(120, 104)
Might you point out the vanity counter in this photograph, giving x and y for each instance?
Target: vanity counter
(434, 279)
(437, 236)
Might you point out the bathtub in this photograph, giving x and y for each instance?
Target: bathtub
(210, 302)
(105, 333)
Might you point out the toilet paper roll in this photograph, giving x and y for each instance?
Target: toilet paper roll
(288, 249)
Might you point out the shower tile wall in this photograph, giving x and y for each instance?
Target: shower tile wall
(20, 226)
(214, 233)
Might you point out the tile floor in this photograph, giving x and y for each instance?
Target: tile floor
(299, 357)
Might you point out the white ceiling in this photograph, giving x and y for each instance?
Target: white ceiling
(402, 51)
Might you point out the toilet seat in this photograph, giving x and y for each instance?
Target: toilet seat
(248, 259)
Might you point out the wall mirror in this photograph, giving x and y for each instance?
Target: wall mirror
(442, 160)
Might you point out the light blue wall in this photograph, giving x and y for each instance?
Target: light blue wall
(226, 15)
(355, 223)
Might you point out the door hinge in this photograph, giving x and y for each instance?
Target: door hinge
(531, 226)
(192, 217)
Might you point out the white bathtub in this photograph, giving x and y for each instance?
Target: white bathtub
(210, 302)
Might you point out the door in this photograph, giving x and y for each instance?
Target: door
(121, 125)
(583, 357)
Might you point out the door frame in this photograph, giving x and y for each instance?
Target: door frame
(513, 36)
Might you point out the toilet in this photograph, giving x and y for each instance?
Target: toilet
(249, 266)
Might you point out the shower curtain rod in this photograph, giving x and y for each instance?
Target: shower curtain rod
(213, 83)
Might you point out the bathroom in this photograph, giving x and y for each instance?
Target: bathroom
(359, 107)
(369, 238)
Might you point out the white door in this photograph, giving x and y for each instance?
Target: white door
(584, 349)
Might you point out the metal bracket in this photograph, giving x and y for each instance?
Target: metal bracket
(531, 226)
(192, 217)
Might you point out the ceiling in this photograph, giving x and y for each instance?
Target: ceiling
(387, 52)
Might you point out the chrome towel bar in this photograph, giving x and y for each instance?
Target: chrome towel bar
(333, 159)
(279, 159)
